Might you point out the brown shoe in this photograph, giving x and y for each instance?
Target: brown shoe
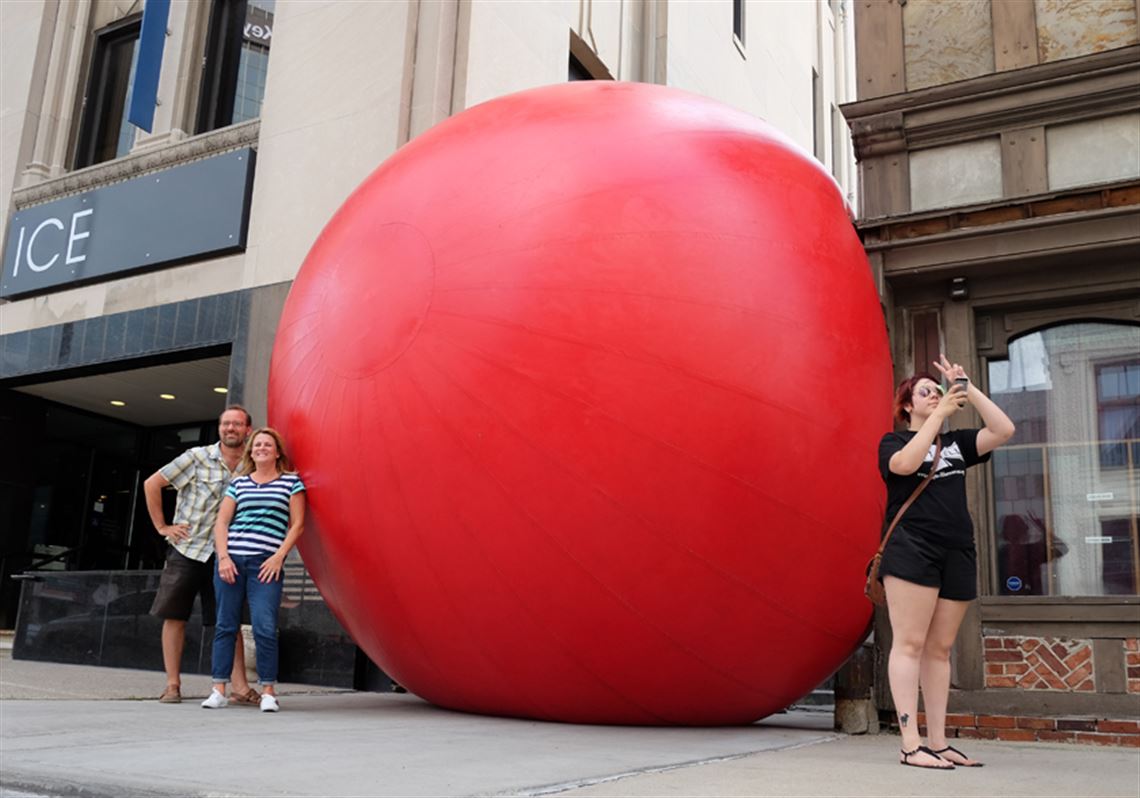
(250, 698)
(171, 695)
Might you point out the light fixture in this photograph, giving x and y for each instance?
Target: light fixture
(166, 396)
(118, 403)
(220, 389)
(958, 288)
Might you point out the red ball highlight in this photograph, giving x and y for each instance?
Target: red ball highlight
(586, 384)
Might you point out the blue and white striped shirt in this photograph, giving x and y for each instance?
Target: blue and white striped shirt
(261, 518)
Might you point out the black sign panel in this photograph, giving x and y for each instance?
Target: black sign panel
(158, 219)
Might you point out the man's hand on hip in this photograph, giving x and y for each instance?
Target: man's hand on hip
(175, 532)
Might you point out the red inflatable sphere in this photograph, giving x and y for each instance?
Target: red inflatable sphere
(586, 384)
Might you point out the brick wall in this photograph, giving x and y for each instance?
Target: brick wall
(1044, 663)
(1052, 663)
(1097, 731)
(1040, 663)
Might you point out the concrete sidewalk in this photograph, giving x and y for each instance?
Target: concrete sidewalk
(68, 730)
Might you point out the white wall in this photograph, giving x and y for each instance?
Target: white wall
(340, 76)
(25, 38)
(331, 115)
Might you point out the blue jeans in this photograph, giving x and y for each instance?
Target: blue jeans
(264, 601)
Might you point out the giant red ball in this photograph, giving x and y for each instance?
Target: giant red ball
(586, 384)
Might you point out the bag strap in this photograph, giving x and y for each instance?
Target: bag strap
(913, 496)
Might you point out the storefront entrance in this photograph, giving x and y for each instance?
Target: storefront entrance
(77, 451)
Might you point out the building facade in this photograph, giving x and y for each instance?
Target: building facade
(145, 271)
(999, 160)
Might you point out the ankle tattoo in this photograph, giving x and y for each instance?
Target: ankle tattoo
(903, 718)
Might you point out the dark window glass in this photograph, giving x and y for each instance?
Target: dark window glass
(817, 115)
(105, 133)
(577, 71)
(1067, 487)
(236, 62)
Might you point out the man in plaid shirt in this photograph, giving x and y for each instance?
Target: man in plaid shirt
(201, 476)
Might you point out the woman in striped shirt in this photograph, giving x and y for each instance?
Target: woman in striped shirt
(261, 517)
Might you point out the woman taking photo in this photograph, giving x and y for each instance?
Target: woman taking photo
(929, 564)
(261, 517)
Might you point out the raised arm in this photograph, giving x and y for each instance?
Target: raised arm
(998, 427)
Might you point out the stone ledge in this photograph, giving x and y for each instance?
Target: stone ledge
(140, 162)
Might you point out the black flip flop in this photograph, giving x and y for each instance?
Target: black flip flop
(922, 749)
(959, 753)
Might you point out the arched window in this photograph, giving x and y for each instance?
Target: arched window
(1066, 488)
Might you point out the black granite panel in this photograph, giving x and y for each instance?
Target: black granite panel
(114, 343)
(133, 337)
(94, 331)
(226, 321)
(40, 352)
(313, 649)
(186, 322)
(167, 318)
(69, 343)
(103, 618)
(149, 330)
(16, 348)
(207, 319)
(137, 333)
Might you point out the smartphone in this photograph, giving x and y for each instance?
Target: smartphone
(964, 382)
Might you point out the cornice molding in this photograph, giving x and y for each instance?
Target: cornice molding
(1101, 84)
(140, 162)
(1039, 210)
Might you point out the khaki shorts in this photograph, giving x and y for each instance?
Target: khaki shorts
(182, 580)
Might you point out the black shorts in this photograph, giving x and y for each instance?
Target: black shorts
(182, 579)
(914, 558)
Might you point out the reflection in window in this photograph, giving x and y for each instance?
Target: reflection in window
(254, 61)
(105, 133)
(1066, 487)
(1118, 412)
(236, 62)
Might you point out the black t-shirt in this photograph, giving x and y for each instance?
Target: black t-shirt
(940, 512)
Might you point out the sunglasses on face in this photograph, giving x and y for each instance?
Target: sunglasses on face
(927, 390)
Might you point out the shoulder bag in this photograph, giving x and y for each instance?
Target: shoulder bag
(873, 590)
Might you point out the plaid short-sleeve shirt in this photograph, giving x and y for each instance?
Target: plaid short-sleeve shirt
(201, 476)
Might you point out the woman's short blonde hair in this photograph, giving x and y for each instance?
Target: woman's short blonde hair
(284, 464)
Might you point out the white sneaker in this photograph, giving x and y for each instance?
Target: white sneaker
(269, 703)
(215, 701)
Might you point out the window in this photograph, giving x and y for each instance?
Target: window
(1118, 413)
(816, 115)
(837, 141)
(1066, 487)
(236, 63)
(738, 20)
(104, 132)
(584, 63)
(577, 71)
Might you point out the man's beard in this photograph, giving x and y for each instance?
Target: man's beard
(231, 441)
